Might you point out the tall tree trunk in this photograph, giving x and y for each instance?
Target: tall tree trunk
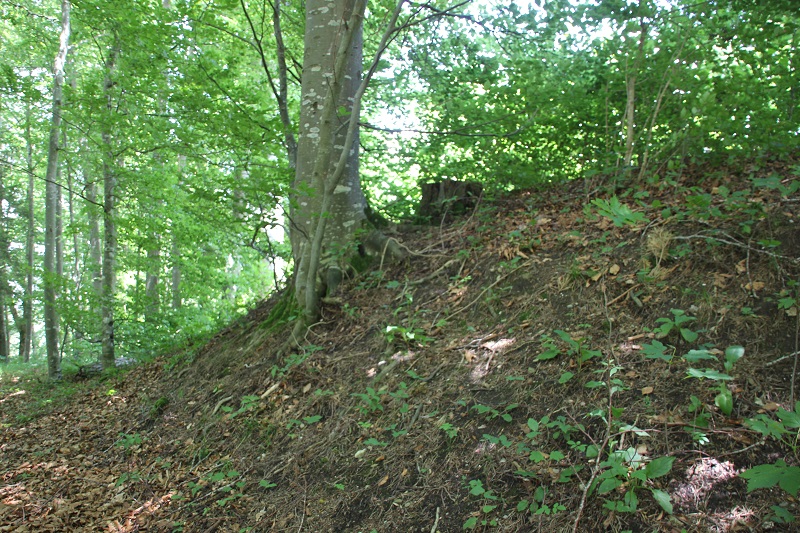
(153, 302)
(109, 224)
(175, 256)
(95, 266)
(328, 206)
(51, 200)
(630, 91)
(5, 290)
(331, 73)
(26, 326)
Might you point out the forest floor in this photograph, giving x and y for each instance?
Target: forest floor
(564, 359)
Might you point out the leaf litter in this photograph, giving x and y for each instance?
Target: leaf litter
(437, 426)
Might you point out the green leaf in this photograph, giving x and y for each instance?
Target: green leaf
(708, 374)
(608, 485)
(688, 335)
(782, 516)
(659, 467)
(767, 476)
(470, 523)
(790, 419)
(698, 355)
(537, 456)
(724, 400)
(734, 353)
(566, 376)
(488, 508)
(656, 350)
(550, 353)
(663, 499)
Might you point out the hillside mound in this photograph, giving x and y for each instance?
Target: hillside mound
(587, 358)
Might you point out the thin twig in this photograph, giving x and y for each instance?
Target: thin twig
(785, 357)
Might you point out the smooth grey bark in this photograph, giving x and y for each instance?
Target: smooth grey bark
(175, 255)
(51, 200)
(5, 289)
(331, 72)
(95, 265)
(26, 326)
(630, 93)
(109, 223)
(151, 280)
(328, 203)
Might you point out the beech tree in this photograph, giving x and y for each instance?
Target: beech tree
(51, 201)
(328, 207)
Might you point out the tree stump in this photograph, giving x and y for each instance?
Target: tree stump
(443, 200)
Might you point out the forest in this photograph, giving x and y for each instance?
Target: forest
(284, 265)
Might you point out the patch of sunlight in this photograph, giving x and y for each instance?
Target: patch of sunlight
(703, 485)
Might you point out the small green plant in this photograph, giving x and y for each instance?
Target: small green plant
(128, 477)
(657, 350)
(450, 430)
(127, 441)
(619, 213)
(501, 440)
(780, 429)
(767, 476)
(494, 413)
(476, 488)
(407, 335)
(247, 403)
(537, 506)
(724, 398)
(306, 421)
(628, 469)
(576, 348)
(677, 323)
(371, 400)
(701, 418)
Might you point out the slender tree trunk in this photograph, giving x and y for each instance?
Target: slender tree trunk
(109, 223)
(76, 268)
(95, 266)
(5, 290)
(151, 282)
(51, 200)
(176, 274)
(26, 327)
(630, 91)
